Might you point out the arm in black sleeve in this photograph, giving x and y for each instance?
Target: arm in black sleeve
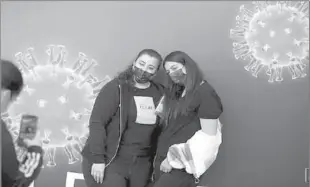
(10, 163)
(105, 106)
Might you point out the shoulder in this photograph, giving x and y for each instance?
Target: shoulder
(110, 89)
(210, 105)
(205, 87)
(111, 85)
(159, 87)
(206, 92)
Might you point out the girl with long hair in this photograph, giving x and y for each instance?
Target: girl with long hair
(190, 111)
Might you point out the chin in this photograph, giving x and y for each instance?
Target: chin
(177, 82)
(142, 82)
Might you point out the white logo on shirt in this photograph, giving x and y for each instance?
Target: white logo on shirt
(145, 110)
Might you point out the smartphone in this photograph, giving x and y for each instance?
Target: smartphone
(28, 128)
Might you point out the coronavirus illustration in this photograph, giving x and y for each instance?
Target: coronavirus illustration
(273, 36)
(61, 94)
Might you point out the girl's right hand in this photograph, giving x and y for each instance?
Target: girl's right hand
(97, 171)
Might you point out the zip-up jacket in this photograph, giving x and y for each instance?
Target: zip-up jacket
(108, 121)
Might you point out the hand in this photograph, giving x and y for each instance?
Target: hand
(165, 166)
(36, 141)
(97, 171)
(31, 163)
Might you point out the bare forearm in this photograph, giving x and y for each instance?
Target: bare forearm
(209, 126)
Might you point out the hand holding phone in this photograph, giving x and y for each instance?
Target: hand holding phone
(28, 129)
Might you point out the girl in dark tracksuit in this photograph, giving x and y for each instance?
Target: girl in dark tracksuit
(123, 127)
(191, 104)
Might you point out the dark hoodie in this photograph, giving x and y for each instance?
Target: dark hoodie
(11, 174)
(108, 122)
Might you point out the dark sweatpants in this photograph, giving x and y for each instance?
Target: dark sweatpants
(175, 178)
(122, 172)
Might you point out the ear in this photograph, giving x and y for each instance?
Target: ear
(5, 94)
(134, 65)
(184, 70)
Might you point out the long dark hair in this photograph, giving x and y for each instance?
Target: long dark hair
(126, 76)
(173, 104)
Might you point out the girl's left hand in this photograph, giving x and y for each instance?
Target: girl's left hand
(165, 166)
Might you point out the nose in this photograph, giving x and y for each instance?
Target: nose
(171, 71)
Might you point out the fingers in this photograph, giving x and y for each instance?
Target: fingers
(161, 168)
(30, 164)
(21, 155)
(101, 177)
(165, 168)
(97, 175)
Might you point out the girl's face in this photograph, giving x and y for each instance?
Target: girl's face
(147, 63)
(145, 68)
(176, 71)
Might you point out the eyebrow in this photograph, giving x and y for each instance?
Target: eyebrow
(142, 61)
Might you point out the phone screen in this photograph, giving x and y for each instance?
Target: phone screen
(28, 128)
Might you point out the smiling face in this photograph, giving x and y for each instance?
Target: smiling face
(176, 71)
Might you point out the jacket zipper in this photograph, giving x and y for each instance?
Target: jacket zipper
(120, 125)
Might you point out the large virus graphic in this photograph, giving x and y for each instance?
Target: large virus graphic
(61, 94)
(273, 36)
